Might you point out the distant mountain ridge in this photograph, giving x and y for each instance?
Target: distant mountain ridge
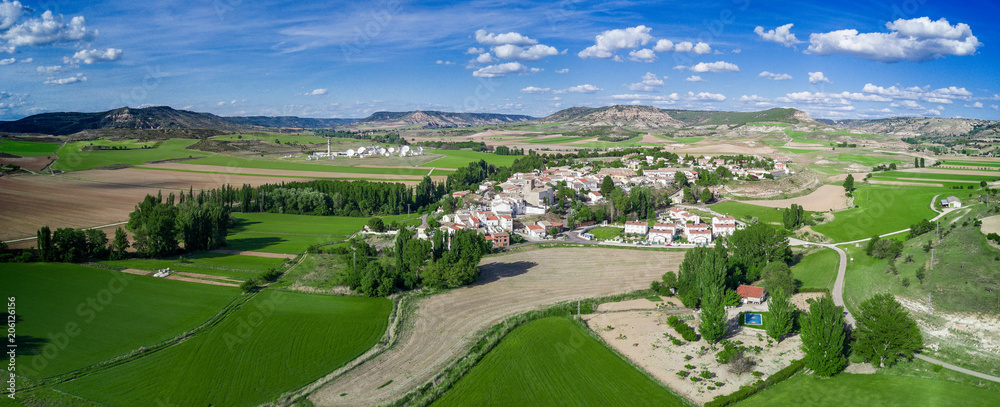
(918, 126)
(438, 119)
(649, 117)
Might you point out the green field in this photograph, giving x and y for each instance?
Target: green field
(462, 158)
(277, 342)
(745, 211)
(27, 148)
(113, 313)
(320, 166)
(881, 209)
(293, 234)
(685, 140)
(556, 140)
(798, 150)
(868, 160)
(797, 137)
(605, 232)
(933, 177)
(303, 177)
(217, 264)
(73, 158)
(971, 163)
(553, 361)
(301, 139)
(817, 270)
(847, 389)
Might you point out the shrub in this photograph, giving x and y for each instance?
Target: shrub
(726, 354)
(682, 328)
(270, 275)
(249, 285)
(705, 374)
(682, 373)
(937, 368)
(689, 367)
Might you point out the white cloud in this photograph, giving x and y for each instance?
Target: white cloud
(90, 56)
(475, 51)
(717, 66)
(781, 35)
(7, 61)
(317, 92)
(642, 55)
(638, 96)
(500, 70)
(977, 105)
(832, 99)
(533, 53)
(48, 29)
(10, 12)
(705, 96)
(585, 88)
(609, 42)
(737, 51)
(532, 89)
(933, 112)
(443, 62)
(665, 45)
(995, 107)
(564, 70)
(27, 60)
(649, 83)
(918, 39)
(511, 38)
(941, 95)
(485, 58)
(775, 76)
(49, 70)
(66, 81)
(694, 78)
(755, 100)
(817, 77)
(908, 104)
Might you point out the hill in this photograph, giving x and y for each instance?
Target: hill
(921, 126)
(649, 117)
(436, 119)
(288, 122)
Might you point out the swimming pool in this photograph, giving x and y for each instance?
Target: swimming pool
(752, 319)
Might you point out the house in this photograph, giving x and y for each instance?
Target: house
(539, 196)
(723, 226)
(695, 227)
(661, 233)
(700, 236)
(665, 227)
(506, 222)
(954, 202)
(636, 228)
(751, 294)
(498, 239)
(595, 197)
(536, 231)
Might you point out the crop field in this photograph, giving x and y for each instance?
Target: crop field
(685, 140)
(27, 148)
(301, 139)
(797, 137)
(275, 343)
(744, 211)
(817, 270)
(556, 140)
(293, 234)
(846, 389)
(113, 313)
(73, 158)
(632, 142)
(971, 163)
(868, 160)
(316, 166)
(933, 177)
(556, 363)
(881, 209)
(798, 150)
(462, 158)
(217, 264)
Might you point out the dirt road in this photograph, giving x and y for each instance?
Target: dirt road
(444, 324)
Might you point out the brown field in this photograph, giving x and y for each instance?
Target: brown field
(726, 149)
(237, 171)
(991, 225)
(444, 325)
(31, 163)
(824, 198)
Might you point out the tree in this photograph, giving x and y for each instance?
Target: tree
(607, 185)
(681, 179)
(982, 184)
(714, 321)
(849, 183)
(916, 162)
(376, 225)
(119, 246)
(97, 244)
(777, 275)
(823, 337)
(921, 274)
(154, 228)
(793, 217)
(922, 163)
(755, 246)
(706, 195)
(780, 314)
(689, 196)
(44, 238)
(886, 333)
(669, 281)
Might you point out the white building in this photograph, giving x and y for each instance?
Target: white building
(723, 226)
(700, 237)
(636, 228)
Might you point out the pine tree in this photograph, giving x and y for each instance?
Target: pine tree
(120, 245)
(849, 183)
(780, 314)
(916, 162)
(706, 195)
(714, 321)
(886, 332)
(922, 164)
(823, 337)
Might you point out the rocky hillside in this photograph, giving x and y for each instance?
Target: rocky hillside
(436, 119)
(649, 117)
(921, 126)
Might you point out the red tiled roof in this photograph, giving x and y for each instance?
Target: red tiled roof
(749, 291)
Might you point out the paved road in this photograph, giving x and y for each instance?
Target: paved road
(958, 369)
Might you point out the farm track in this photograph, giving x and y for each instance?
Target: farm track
(444, 325)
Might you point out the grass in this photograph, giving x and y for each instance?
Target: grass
(686, 140)
(319, 166)
(867, 160)
(745, 211)
(301, 139)
(847, 389)
(275, 343)
(217, 264)
(798, 150)
(293, 234)
(817, 270)
(797, 137)
(27, 148)
(553, 361)
(72, 157)
(144, 311)
(462, 158)
(972, 163)
(892, 175)
(605, 232)
(881, 209)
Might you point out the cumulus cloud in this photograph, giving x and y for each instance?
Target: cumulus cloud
(649, 83)
(775, 76)
(90, 56)
(737, 51)
(485, 58)
(7, 61)
(561, 71)
(511, 38)
(49, 70)
(705, 96)
(500, 70)
(817, 77)
(941, 95)
(317, 92)
(611, 41)
(832, 99)
(977, 105)
(715, 67)
(918, 39)
(908, 104)
(443, 62)
(665, 45)
(642, 55)
(585, 88)
(781, 35)
(532, 89)
(533, 53)
(475, 51)
(668, 99)
(694, 78)
(48, 29)
(66, 81)
(10, 12)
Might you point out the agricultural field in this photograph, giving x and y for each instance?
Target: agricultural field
(217, 264)
(277, 342)
(796, 137)
(881, 209)
(72, 157)
(284, 138)
(971, 163)
(557, 363)
(745, 211)
(933, 177)
(798, 150)
(316, 166)
(27, 148)
(846, 389)
(293, 234)
(817, 269)
(462, 158)
(868, 160)
(113, 313)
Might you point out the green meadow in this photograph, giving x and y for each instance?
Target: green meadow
(216, 264)
(27, 148)
(817, 270)
(293, 234)
(72, 156)
(846, 389)
(881, 209)
(745, 211)
(462, 158)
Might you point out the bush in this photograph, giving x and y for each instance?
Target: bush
(270, 275)
(249, 285)
(746, 391)
(682, 328)
(726, 354)
(705, 374)
(937, 368)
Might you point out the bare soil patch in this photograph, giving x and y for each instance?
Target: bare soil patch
(990, 225)
(638, 304)
(800, 300)
(824, 198)
(297, 175)
(727, 149)
(651, 139)
(137, 272)
(31, 163)
(206, 276)
(258, 254)
(198, 280)
(443, 325)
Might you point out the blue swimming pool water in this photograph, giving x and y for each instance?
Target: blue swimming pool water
(752, 319)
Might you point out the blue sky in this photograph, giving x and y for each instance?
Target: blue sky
(349, 59)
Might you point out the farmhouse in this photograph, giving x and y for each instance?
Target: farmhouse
(636, 228)
(536, 231)
(751, 294)
(952, 202)
(700, 236)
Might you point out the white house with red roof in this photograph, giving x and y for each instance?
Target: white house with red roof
(595, 197)
(700, 236)
(750, 294)
(536, 231)
(636, 228)
(723, 226)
